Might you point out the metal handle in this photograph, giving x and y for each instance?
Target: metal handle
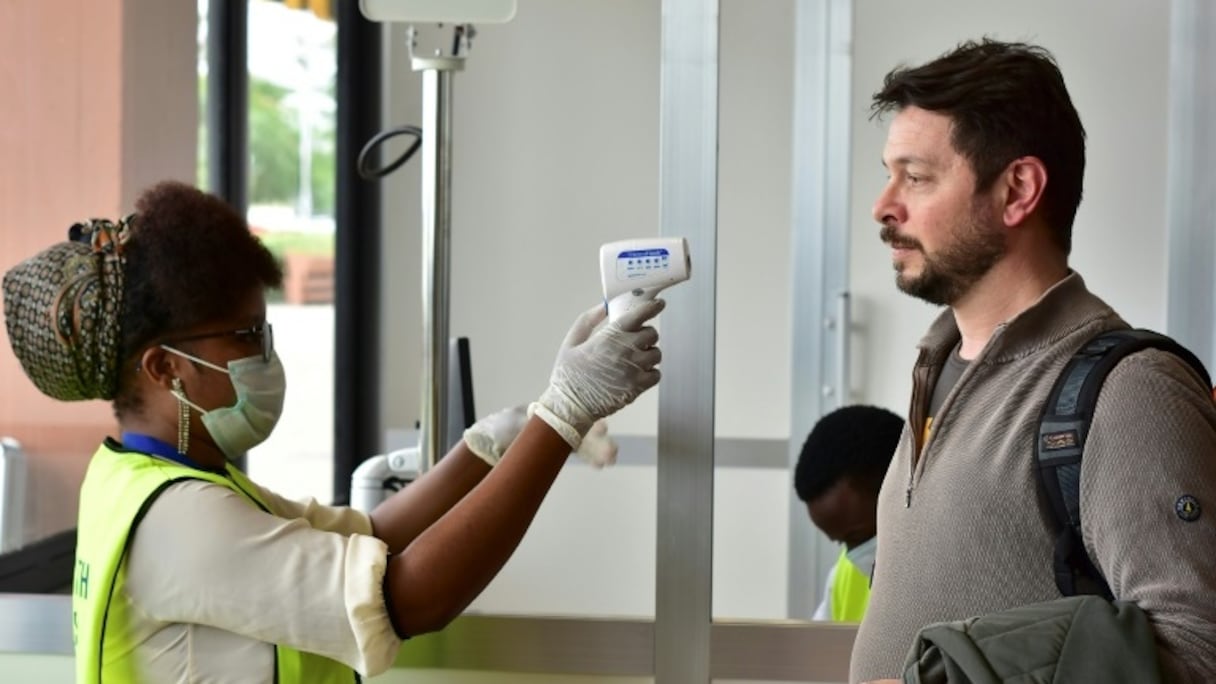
(13, 472)
(843, 318)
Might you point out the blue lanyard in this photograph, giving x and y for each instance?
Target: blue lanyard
(147, 444)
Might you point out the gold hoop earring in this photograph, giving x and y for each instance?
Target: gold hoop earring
(183, 418)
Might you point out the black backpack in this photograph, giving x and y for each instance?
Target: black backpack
(1063, 427)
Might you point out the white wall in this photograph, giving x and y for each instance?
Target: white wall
(556, 152)
(556, 144)
(1114, 56)
(756, 72)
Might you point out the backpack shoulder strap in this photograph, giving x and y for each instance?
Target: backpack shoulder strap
(1063, 429)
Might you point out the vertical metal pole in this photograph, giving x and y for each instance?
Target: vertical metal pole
(820, 271)
(688, 195)
(437, 74)
(1191, 179)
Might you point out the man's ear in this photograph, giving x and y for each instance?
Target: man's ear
(1024, 181)
(160, 366)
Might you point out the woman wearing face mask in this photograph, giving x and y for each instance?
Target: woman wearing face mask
(188, 571)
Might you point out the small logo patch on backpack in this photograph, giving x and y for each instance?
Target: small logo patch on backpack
(1187, 508)
(1054, 441)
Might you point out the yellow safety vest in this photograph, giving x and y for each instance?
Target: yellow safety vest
(119, 488)
(850, 591)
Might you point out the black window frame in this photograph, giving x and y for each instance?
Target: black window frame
(357, 222)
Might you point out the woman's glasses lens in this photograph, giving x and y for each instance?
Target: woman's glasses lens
(267, 341)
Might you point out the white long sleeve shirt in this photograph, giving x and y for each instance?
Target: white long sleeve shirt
(215, 582)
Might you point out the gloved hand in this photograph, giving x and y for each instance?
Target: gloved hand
(598, 448)
(600, 370)
(490, 437)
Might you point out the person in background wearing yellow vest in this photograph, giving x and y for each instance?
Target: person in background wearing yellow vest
(187, 571)
(839, 473)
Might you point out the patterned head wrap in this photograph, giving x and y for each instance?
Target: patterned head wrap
(62, 308)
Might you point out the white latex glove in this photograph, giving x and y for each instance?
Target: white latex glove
(598, 448)
(490, 437)
(600, 370)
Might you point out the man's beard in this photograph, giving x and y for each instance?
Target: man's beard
(948, 275)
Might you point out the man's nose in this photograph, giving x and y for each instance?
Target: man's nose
(886, 207)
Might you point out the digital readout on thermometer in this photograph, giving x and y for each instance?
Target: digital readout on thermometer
(639, 263)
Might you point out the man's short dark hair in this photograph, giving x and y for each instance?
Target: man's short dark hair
(855, 442)
(1006, 100)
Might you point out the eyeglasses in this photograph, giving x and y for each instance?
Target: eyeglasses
(262, 334)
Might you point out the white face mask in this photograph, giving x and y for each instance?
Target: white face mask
(260, 388)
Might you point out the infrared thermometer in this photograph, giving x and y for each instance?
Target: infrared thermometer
(634, 271)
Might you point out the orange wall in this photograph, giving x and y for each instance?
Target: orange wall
(97, 100)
